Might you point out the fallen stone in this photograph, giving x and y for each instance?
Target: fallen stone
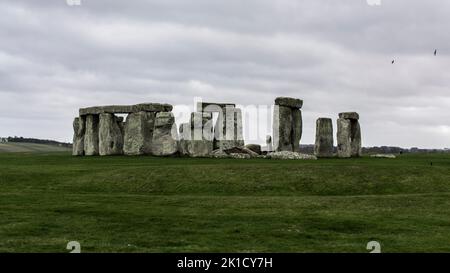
(239, 156)
(349, 115)
(290, 155)
(391, 156)
(289, 102)
(241, 150)
(219, 154)
(79, 128)
(324, 138)
(254, 148)
(91, 141)
(110, 135)
(165, 135)
(138, 133)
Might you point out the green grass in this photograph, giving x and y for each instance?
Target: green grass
(147, 204)
(16, 147)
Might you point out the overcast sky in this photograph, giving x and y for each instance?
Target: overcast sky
(334, 54)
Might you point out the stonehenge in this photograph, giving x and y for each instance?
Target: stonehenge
(324, 138)
(213, 130)
(348, 135)
(148, 130)
(287, 128)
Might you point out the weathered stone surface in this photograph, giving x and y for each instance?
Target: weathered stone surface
(289, 155)
(283, 129)
(228, 132)
(79, 128)
(185, 138)
(219, 154)
(165, 136)
(355, 138)
(110, 135)
(269, 143)
(256, 148)
(208, 126)
(126, 109)
(241, 150)
(239, 156)
(297, 126)
(152, 107)
(289, 102)
(349, 135)
(91, 141)
(138, 133)
(210, 107)
(390, 156)
(344, 140)
(324, 138)
(238, 129)
(349, 115)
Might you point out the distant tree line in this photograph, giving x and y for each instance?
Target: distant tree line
(38, 141)
(309, 149)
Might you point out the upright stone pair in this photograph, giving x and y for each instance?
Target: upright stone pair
(287, 124)
(348, 135)
(228, 132)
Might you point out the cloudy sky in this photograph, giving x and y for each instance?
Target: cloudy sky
(334, 54)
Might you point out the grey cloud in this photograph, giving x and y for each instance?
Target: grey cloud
(333, 54)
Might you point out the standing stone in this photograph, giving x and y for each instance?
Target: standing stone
(228, 132)
(165, 136)
(283, 121)
(287, 124)
(356, 138)
(110, 135)
(208, 127)
(91, 141)
(79, 128)
(196, 136)
(296, 128)
(344, 140)
(238, 130)
(349, 135)
(185, 138)
(324, 138)
(138, 133)
(269, 143)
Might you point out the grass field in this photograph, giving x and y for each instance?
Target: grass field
(147, 204)
(16, 147)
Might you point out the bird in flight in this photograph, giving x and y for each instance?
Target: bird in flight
(435, 52)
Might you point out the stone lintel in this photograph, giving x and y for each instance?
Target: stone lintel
(212, 106)
(126, 109)
(349, 115)
(289, 102)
